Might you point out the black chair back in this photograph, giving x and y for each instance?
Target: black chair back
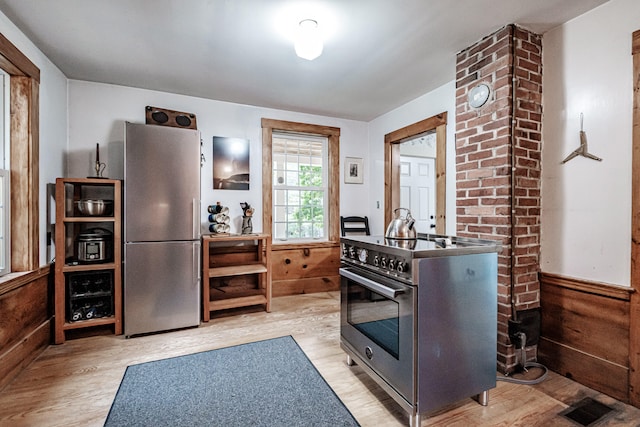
(354, 225)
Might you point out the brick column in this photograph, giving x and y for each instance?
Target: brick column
(498, 153)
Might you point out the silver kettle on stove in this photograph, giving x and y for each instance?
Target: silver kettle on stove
(401, 227)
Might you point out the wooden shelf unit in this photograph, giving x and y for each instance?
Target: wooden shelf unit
(236, 272)
(69, 223)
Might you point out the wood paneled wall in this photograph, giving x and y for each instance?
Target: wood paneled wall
(303, 270)
(25, 321)
(585, 332)
(634, 347)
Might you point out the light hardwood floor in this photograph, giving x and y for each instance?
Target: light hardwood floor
(73, 384)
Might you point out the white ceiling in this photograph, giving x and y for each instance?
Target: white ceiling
(378, 54)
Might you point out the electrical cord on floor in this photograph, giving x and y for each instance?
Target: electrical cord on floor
(527, 382)
(523, 340)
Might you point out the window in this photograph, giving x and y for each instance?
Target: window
(299, 186)
(24, 81)
(300, 182)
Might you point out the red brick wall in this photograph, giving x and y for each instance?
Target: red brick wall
(486, 190)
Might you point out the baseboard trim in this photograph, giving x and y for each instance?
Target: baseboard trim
(305, 286)
(588, 286)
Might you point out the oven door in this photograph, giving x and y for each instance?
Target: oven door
(377, 324)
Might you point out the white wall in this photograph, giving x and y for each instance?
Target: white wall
(97, 113)
(53, 124)
(428, 105)
(586, 205)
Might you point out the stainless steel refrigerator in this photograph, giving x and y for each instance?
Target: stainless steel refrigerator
(161, 228)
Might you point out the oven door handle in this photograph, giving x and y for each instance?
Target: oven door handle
(371, 285)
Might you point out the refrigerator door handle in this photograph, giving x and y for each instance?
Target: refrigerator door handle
(196, 218)
(196, 265)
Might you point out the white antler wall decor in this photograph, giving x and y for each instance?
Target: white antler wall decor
(582, 150)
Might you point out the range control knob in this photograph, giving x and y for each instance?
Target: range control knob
(352, 252)
(362, 255)
(392, 265)
(401, 266)
(376, 260)
(383, 262)
(344, 250)
(368, 352)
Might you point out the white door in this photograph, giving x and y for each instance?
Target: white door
(417, 191)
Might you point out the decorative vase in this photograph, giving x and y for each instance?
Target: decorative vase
(247, 227)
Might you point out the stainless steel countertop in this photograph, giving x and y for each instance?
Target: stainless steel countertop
(426, 245)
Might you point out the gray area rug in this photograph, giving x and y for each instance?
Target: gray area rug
(264, 383)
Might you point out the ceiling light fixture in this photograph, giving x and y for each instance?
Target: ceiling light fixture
(308, 40)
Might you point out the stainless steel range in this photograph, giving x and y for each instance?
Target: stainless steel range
(420, 317)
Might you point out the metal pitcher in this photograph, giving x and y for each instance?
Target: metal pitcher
(401, 227)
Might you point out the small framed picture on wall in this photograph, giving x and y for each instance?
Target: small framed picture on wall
(353, 170)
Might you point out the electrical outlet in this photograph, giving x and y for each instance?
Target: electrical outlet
(528, 323)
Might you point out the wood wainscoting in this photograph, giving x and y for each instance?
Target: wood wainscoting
(303, 269)
(25, 321)
(585, 332)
